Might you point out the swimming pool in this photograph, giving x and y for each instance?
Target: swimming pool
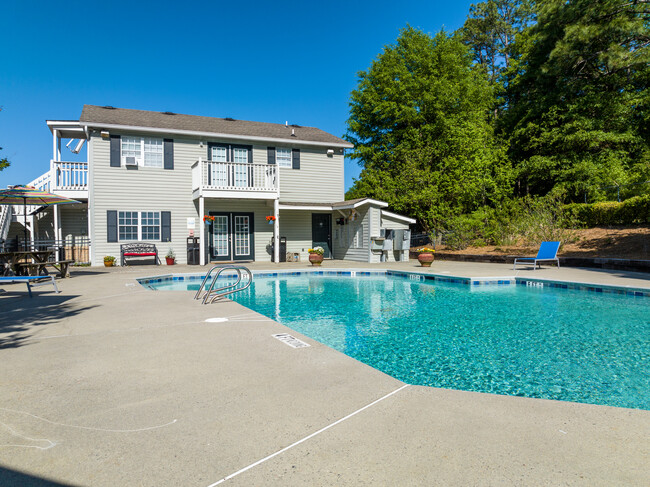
(513, 339)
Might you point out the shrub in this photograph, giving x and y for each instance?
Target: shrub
(633, 211)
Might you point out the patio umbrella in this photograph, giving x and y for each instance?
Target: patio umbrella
(24, 195)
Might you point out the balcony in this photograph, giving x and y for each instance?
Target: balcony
(234, 180)
(69, 179)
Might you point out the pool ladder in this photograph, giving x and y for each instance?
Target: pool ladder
(211, 295)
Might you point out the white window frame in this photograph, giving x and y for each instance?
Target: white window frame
(145, 151)
(284, 160)
(139, 225)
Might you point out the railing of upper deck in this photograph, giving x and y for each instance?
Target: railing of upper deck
(69, 176)
(233, 176)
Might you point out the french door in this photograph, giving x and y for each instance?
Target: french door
(232, 236)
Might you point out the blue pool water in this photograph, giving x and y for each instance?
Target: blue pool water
(535, 342)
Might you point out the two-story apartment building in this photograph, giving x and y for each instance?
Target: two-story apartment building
(238, 186)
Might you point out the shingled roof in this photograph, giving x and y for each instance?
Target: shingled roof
(109, 116)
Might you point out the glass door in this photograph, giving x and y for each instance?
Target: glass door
(243, 236)
(219, 166)
(240, 157)
(220, 245)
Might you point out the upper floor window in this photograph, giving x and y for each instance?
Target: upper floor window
(145, 151)
(283, 157)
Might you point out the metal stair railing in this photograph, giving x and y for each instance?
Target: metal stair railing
(211, 295)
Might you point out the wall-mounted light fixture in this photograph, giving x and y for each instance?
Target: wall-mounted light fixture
(330, 152)
(105, 134)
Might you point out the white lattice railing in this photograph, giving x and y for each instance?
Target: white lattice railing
(5, 221)
(232, 176)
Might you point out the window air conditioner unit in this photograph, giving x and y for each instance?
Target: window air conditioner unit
(130, 161)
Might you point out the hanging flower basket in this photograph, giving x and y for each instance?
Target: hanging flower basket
(271, 219)
(207, 219)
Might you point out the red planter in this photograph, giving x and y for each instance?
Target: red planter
(170, 260)
(315, 259)
(425, 259)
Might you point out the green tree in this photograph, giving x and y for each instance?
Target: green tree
(419, 124)
(490, 30)
(577, 112)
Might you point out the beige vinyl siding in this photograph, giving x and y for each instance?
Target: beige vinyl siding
(143, 189)
(45, 224)
(319, 179)
(295, 225)
(343, 236)
(262, 230)
(73, 221)
(393, 223)
(375, 227)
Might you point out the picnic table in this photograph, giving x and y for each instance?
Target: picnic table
(26, 262)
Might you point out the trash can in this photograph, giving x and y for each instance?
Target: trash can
(283, 249)
(193, 251)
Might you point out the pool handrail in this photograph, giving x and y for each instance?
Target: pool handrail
(212, 294)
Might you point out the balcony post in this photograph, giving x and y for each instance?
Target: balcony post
(276, 231)
(202, 231)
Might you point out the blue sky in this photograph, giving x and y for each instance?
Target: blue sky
(262, 61)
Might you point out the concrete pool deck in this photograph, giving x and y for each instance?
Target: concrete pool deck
(110, 384)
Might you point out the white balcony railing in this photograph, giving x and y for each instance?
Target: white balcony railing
(232, 176)
(68, 176)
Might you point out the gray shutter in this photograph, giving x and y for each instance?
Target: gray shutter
(250, 154)
(111, 226)
(270, 151)
(166, 226)
(168, 153)
(295, 158)
(116, 152)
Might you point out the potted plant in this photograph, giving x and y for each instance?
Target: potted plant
(425, 256)
(170, 257)
(316, 255)
(270, 219)
(109, 260)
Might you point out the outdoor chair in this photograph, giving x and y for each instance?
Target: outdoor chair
(547, 253)
(31, 281)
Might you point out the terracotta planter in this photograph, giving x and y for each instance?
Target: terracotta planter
(315, 259)
(170, 260)
(108, 263)
(425, 259)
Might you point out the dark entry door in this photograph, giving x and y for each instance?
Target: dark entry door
(321, 233)
(232, 237)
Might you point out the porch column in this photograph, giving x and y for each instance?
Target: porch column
(202, 230)
(56, 226)
(276, 231)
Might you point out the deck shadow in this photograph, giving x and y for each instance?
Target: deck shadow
(20, 315)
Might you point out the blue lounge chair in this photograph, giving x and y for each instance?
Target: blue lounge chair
(547, 252)
(30, 281)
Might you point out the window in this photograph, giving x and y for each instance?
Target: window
(283, 157)
(133, 225)
(146, 151)
(220, 153)
(128, 225)
(150, 225)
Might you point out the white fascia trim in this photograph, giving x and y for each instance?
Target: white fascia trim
(218, 135)
(305, 207)
(367, 201)
(71, 125)
(397, 217)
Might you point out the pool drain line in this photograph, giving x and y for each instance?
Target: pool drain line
(306, 437)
